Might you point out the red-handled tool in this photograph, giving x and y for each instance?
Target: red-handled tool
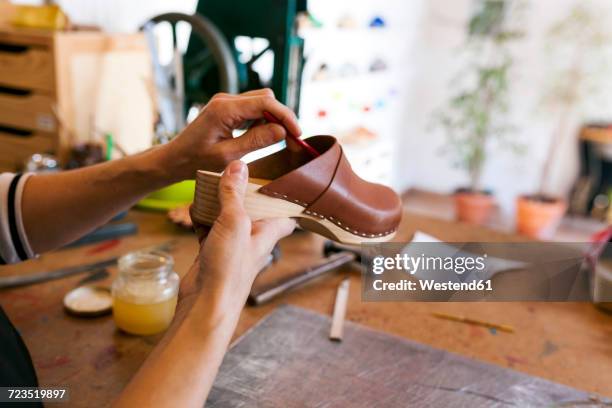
(272, 119)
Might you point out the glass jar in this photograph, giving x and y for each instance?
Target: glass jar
(145, 292)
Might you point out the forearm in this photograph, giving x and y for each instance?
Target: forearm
(182, 368)
(60, 207)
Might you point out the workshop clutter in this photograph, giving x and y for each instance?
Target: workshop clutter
(473, 128)
(420, 101)
(348, 70)
(592, 193)
(59, 96)
(346, 21)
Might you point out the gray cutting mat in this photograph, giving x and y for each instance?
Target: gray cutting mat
(287, 361)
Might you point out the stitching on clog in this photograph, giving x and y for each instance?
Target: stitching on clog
(330, 218)
(283, 196)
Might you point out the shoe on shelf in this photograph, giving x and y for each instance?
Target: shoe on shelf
(323, 194)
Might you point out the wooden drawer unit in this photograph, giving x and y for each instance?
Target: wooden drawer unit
(15, 148)
(29, 111)
(51, 85)
(27, 96)
(26, 67)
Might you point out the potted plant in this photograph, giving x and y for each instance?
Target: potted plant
(475, 116)
(575, 48)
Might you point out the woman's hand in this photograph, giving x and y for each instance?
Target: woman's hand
(208, 144)
(235, 249)
(182, 368)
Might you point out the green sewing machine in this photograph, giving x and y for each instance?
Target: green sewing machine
(212, 63)
(195, 56)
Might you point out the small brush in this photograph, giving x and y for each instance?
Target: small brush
(272, 119)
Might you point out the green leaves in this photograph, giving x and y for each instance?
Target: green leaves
(475, 115)
(488, 19)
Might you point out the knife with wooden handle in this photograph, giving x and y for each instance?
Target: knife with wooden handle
(24, 280)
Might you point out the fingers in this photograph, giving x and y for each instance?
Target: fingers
(255, 92)
(200, 230)
(258, 137)
(232, 187)
(266, 233)
(259, 92)
(293, 147)
(251, 105)
(255, 106)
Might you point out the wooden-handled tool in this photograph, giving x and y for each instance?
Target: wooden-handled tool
(336, 256)
(283, 285)
(24, 280)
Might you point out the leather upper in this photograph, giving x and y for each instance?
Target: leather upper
(328, 188)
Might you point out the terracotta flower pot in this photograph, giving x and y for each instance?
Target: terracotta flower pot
(537, 217)
(474, 208)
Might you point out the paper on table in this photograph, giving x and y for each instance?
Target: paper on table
(416, 248)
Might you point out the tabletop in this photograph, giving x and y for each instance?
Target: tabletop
(569, 343)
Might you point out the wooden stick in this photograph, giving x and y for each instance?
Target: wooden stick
(468, 320)
(339, 311)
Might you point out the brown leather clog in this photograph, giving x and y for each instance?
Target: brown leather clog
(323, 194)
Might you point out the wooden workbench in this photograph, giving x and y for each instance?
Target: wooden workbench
(570, 343)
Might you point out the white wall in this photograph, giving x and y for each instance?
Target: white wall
(118, 16)
(122, 15)
(436, 57)
(344, 96)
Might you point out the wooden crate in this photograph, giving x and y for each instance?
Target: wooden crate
(54, 87)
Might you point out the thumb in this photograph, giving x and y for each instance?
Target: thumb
(232, 188)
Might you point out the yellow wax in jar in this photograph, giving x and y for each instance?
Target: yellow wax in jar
(143, 318)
